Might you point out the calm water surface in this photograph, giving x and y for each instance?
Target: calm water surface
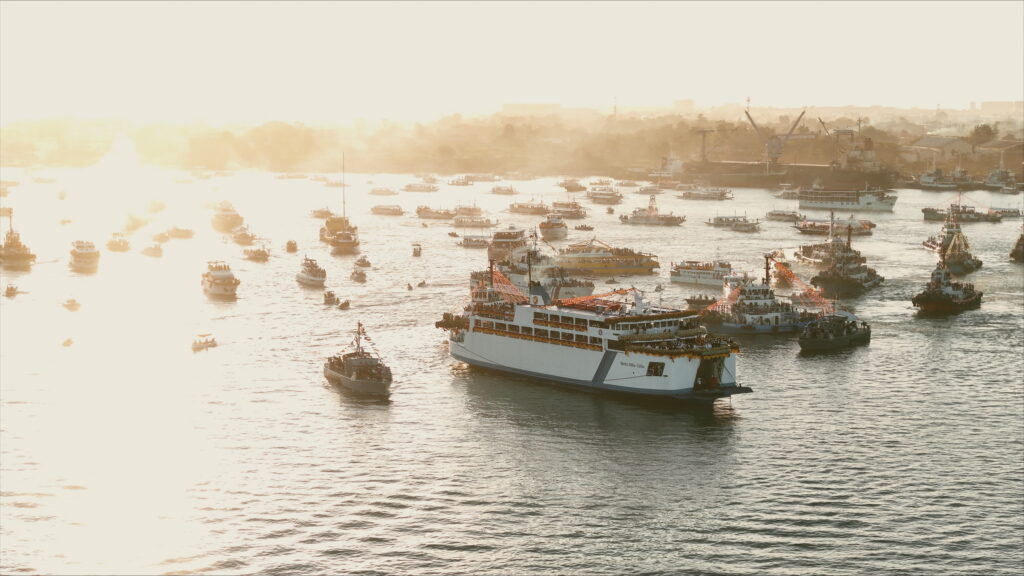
(126, 453)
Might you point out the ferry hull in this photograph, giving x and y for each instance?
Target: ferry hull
(605, 370)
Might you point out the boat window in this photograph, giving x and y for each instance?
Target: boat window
(655, 368)
(595, 340)
(540, 332)
(489, 325)
(567, 336)
(581, 321)
(596, 324)
(539, 316)
(513, 328)
(526, 330)
(616, 345)
(476, 323)
(500, 326)
(581, 339)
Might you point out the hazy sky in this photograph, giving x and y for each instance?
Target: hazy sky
(334, 62)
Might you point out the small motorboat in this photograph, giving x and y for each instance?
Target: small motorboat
(610, 210)
(422, 284)
(154, 251)
(204, 342)
(363, 262)
(344, 305)
(67, 342)
(261, 254)
(659, 288)
(330, 298)
(71, 304)
(453, 234)
(417, 250)
(408, 286)
(12, 291)
(358, 275)
(291, 246)
(612, 280)
(584, 228)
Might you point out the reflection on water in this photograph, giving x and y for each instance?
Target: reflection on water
(127, 453)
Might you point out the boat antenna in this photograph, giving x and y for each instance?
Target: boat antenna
(849, 235)
(767, 271)
(529, 267)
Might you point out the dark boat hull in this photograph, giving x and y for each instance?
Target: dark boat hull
(942, 304)
(836, 343)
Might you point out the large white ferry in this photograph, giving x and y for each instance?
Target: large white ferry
(855, 200)
(219, 281)
(84, 256)
(615, 342)
(704, 273)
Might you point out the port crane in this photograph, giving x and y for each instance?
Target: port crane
(773, 144)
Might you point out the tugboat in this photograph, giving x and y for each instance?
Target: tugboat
(330, 298)
(154, 251)
(118, 243)
(358, 275)
(261, 254)
(204, 342)
(962, 213)
(752, 308)
(553, 228)
(943, 296)
(958, 257)
(363, 262)
(1017, 254)
(219, 281)
(847, 275)
(651, 216)
(311, 274)
(359, 370)
(84, 256)
(833, 332)
(13, 254)
(291, 247)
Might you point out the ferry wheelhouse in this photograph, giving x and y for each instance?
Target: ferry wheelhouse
(614, 342)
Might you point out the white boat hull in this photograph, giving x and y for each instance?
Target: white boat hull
(310, 280)
(591, 369)
(700, 277)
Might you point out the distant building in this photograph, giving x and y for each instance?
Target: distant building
(1006, 108)
(939, 148)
